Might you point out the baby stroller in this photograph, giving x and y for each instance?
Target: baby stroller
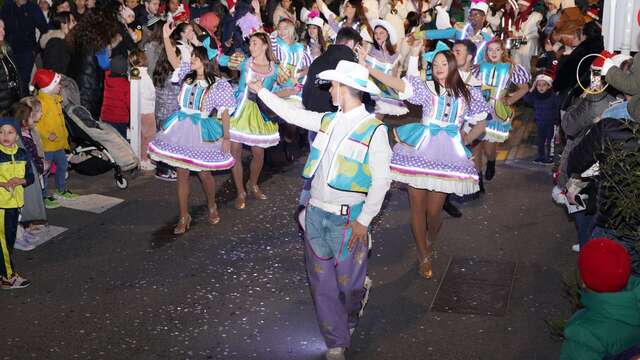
(96, 146)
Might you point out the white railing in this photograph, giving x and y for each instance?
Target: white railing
(134, 111)
(620, 25)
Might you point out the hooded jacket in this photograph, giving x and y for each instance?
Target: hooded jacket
(629, 83)
(596, 146)
(608, 324)
(52, 122)
(56, 54)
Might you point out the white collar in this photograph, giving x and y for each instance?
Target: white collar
(355, 113)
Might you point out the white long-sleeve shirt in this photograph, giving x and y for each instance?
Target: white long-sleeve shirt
(379, 155)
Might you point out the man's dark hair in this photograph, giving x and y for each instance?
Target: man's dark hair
(346, 34)
(471, 47)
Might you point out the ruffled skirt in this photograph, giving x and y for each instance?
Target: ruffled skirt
(437, 164)
(191, 142)
(250, 127)
(497, 131)
(387, 106)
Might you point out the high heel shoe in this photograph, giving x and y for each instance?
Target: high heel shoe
(425, 269)
(214, 215)
(240, 202)
(255, 191)
(183, 225)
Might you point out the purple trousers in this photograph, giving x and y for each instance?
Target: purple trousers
(336, 276)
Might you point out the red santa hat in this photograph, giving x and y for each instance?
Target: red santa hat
(547, 76)
(599, 61)
(593, 13)
(605, 265)
(181, 15)
(46, 80)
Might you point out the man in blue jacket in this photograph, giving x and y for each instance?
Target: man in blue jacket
(21, 18)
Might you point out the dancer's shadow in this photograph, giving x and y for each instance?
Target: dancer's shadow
(389, 311)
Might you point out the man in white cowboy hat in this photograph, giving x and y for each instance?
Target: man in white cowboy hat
(349, 162)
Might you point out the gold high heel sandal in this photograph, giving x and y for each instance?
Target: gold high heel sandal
(255, 191)
(425, 269)
(214, 215)
(183, 225)
(240, 202)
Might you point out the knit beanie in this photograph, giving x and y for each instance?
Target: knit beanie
(10, 121)
(605, 265)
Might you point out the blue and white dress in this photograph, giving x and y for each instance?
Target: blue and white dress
(495, 82)
(191, 138)
(250, 125)
(430, 155)
(292, 58)
(388, 102)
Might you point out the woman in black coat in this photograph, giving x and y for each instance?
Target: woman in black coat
(9, 76)
(91, 37)
(56, 52)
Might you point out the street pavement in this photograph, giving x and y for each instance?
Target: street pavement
(120, 285)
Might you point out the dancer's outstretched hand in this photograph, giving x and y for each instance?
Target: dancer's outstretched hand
(359, 233)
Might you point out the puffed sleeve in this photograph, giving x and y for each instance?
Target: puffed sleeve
(478, 108)
(415, 91)
(220, 97)
(520, 75)
(180, 73)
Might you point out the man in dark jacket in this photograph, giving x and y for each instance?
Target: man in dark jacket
(21, 18)
(607, 142)
(315, 94)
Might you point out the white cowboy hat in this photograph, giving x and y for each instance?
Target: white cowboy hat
(393, 37)
(351, 74)
(479, 5)
(317, 21)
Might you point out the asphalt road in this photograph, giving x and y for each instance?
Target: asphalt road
(119, 285)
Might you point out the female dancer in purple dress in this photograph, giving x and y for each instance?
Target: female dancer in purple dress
(193, 139)
(431, 156)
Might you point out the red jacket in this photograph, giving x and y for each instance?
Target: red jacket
(115, 103)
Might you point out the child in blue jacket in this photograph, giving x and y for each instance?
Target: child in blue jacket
(15, 175)
(546, 108)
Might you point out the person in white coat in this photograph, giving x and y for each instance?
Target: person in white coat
(526, 26)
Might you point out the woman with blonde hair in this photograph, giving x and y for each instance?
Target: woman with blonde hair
(294, 60)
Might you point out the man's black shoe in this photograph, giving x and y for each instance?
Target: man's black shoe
(451, 209)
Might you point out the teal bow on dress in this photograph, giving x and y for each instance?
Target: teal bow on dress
(440, 47)
(451, 129)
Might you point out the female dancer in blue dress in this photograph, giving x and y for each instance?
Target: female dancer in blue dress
(294, 60)
(497, 74)
(385, 57)
(193, 139)
(430, 156)
(249, 125)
